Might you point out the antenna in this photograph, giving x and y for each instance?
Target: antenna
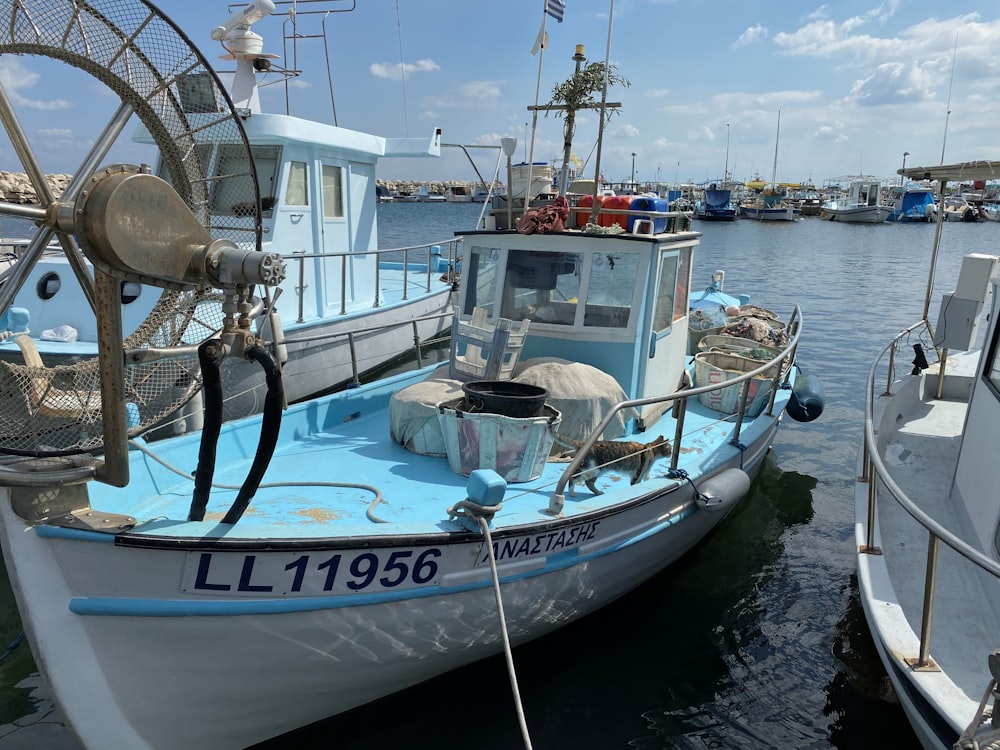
(238, 26)
(954, 54)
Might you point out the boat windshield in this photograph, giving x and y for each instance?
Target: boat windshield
(550, 287)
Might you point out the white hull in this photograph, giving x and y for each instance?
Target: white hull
(322, 358)
(770, 214)
(926, 514)
(276, 665)
(858, 215)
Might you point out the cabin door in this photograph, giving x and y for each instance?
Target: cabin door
(665, 361)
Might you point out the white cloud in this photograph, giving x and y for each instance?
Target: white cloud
(398, 71)
(893, 83)
(17, 79)
(753, 34)
(630, 131)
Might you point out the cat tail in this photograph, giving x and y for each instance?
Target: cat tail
(566, 442)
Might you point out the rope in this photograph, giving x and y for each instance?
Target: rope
(17, 642)
(741, 448)
(681, 474)
(468, 510)
(592, 228)
(967, 741)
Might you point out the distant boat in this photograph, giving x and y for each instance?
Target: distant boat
(957, 208)
(458, 194)
(769, 203)
(807, 199)
(715, 204)
(426, 195)
(383, 195)
(991, 212)
(912, 202)
(541, 174)
(860, 206)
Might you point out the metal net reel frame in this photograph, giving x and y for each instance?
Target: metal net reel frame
(131, 47)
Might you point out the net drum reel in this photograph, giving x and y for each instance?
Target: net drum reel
(120, 223)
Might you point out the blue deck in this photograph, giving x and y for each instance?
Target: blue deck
(345, 438)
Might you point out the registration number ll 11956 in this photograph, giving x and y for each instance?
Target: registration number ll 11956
(264, 574)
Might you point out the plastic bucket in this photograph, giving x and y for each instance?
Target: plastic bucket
(505, 397)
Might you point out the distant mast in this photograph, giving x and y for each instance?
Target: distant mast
(777, 136)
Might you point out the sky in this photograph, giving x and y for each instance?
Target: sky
(854, 84)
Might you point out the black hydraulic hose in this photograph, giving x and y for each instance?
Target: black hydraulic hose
(210, 354)
(270, 424)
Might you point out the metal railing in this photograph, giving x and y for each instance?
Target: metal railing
(781, 364)
(420, 257)
(874, 470)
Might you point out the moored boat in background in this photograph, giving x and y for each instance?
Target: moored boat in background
(347, 307)
(912, 202)
(861, 205)
(715, 204)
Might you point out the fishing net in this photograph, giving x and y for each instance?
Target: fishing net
(158, 74)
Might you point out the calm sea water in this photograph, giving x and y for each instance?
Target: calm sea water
(756, 639)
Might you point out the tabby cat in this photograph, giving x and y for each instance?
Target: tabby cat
(612, 455)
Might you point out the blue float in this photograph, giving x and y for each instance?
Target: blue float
(807, 401)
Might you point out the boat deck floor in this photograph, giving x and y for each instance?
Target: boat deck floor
(301, 495)
(922, 457)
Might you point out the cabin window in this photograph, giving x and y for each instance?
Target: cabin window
(197, 93)
(681, 295)
(199, 168)
(480, 270)
(232, 194)
(666, 289)
(297, 187)
(541, 286)
(333, 192)
(612, 284)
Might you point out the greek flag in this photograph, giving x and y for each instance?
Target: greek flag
(556, 9)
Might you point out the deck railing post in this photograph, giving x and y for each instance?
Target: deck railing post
(302, 286)
(870, 538)
(416, 345)
(930, 580)
(343, 285)
(354, 359)
(680, 410)
(406, 270)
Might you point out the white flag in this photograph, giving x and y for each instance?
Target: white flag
(541, 41)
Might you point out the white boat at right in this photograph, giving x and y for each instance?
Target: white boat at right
(927, 503)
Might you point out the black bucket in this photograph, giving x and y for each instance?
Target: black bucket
(505, 397)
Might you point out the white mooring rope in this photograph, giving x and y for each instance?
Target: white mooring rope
(503, 632)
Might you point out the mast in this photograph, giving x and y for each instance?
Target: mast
(725, 172)
(774, 169)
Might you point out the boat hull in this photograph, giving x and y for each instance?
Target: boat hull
(770, 214)
(861, 215)
(281, 663)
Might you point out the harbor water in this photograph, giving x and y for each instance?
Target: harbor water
(756, 639)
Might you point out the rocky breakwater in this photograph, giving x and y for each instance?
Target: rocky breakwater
(16, 188)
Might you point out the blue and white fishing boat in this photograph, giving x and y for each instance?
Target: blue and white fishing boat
(715, 204)
(322, 557)
(346, 307)
(861, 205)
(926, 511)
(912, 202)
